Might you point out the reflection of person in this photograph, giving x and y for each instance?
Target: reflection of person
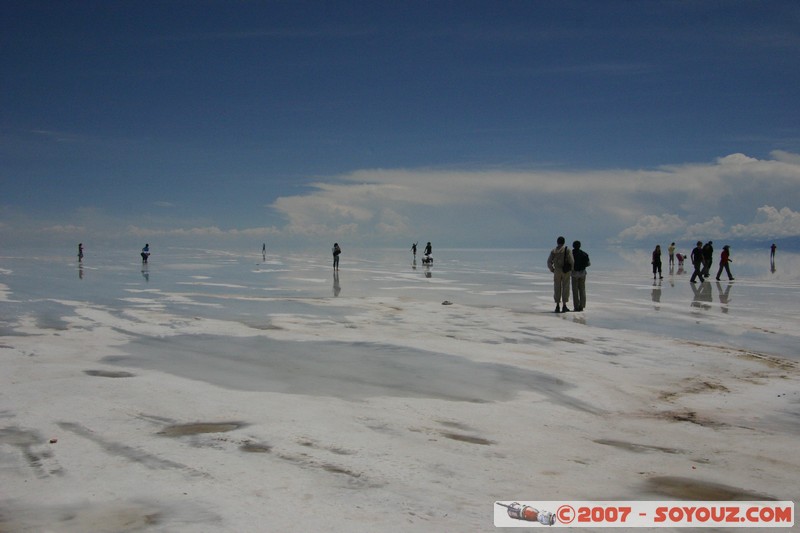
(579, 276)
(697, 262)
(656, 262)
(80, 252)
(145, 253)
(671, 252)
(336, 287)
(724, 296)
(336, 252)
(724, 259)
(702, 296)
(560, 263)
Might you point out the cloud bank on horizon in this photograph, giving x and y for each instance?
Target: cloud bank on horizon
(736, 197)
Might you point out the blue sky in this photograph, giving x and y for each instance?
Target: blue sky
(496, 123)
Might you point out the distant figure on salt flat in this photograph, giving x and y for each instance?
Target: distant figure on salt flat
(724, 259)
(414, 250)
(671, 252)
(772, 258)
(80, 252)
(697, 263)
(264, 251)
(145, 253)
(336, 250)
(428, 259)
(656, 262)
(560, 263)
(579, 276)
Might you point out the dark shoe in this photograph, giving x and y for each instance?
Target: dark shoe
(717, 279)
(565, 309)
(558, 309)
(730, 279)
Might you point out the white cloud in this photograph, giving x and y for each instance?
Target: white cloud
(735, 196)
(770, 222)
(654, 226)
(207, 231)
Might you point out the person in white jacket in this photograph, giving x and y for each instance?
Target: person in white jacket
(560, 264)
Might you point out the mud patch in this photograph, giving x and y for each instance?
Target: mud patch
(255, 447)
(467, 438)
(308, 443)
(198, 428)
(691, 417)
(108, 374)
(683, 488)
(694, 386)
(637, 448)
(571, 340)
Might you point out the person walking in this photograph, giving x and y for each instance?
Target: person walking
(560, 263)
(708, 258)
(336, 253)
(656, 262)
(581, 259)
(724, 259)
(697, 262)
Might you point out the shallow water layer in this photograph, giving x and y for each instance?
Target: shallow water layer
(343, 370)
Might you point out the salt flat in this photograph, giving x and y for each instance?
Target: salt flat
(216, 391)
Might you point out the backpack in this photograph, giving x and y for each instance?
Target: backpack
(581, 260)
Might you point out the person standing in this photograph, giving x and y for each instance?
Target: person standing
(336, 252)
(80, 252)
(414, 250)
(581, 259)
(560, 264)
(656, 262)
(708, 258)
(724, 259)
(145, 253)
(772, 251)
(671, 252)
(428, 259)
(697, 262)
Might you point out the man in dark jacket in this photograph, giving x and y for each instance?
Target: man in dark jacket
(697, 262)
(581, 259)
(708, 258)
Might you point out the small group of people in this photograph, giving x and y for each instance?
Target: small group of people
(702, 257)
(568, 268)
(427, 253)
